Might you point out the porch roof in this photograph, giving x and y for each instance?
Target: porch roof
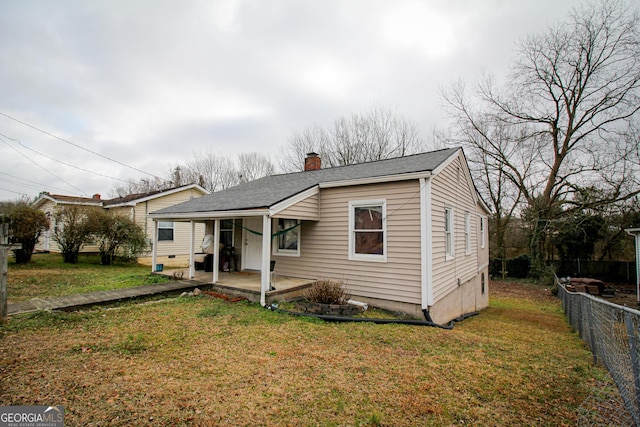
(266, 192)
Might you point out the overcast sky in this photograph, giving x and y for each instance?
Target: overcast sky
(149, 83)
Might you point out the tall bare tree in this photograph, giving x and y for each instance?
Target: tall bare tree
(375, 135)
(572, 96)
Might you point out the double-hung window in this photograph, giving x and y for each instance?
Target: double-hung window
(226, 232)
(368, 230)
(483, 221)
(449, 241)
(165, 231)
(287, 241)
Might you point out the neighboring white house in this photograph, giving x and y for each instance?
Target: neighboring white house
(406, 234)
(173, 240)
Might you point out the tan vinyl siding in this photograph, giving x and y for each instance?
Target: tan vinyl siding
(324, 244)
(181, 230)
(307, 209)
(452, 188)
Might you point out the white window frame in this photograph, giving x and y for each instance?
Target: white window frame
(467, 233)
(226, 230)
(449, 233)
(173, 230)
(483, 230)
(276, 242)
(353, 256)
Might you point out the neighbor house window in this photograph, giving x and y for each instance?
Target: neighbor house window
(467, 232)
(226, 232)
(368, 230)
(448, 233)
(287, 241)
(482, 230)
(165, 230)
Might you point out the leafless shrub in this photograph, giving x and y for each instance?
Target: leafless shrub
(327, 292)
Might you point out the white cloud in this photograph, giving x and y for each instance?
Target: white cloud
(149, 82)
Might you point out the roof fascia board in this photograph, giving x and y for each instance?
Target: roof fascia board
(209, 215)
(297, 198)
(376, 179)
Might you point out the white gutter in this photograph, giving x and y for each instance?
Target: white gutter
(426, 243)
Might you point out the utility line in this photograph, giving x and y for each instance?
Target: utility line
(37, 184)
(41, 167)
(14, 192)
(79, 146)
(60, 161)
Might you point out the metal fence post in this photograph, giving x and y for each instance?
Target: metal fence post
(634, 348)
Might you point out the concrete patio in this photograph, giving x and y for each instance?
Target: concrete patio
(246, 284)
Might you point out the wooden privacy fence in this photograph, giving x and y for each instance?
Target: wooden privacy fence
(608, 271)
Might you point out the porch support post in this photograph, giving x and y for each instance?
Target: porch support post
(216, 249)
(154, 246)
(426, 243)
(191, 241)
(265, 271)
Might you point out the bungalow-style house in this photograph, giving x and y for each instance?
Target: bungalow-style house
(406, 234)
(172, 243)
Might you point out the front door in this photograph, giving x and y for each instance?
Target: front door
(252, 243)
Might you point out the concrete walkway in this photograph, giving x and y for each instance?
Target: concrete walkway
(101, 297)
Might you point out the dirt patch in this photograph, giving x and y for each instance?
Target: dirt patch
(512, 289)
(625, 294)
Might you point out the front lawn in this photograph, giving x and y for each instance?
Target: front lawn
(202, 361)
(47, 276)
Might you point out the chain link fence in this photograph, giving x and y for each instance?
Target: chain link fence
(612, 333)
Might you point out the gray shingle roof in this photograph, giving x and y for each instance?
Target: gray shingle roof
(266, 192)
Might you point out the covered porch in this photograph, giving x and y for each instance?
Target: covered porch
(242, 233)
(247, 284)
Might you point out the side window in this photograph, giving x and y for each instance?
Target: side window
(165, 231)
(368, 230)
(483, 221)
(287, 240)
(448, 233)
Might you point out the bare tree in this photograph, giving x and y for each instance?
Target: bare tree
(251, 166)
(572, 96)
(375, 135)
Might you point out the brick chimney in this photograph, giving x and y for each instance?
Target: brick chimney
(312, 162)
(96, 197)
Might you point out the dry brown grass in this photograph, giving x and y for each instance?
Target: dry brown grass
(202, 361)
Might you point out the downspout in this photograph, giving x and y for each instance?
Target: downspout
(426, 245)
